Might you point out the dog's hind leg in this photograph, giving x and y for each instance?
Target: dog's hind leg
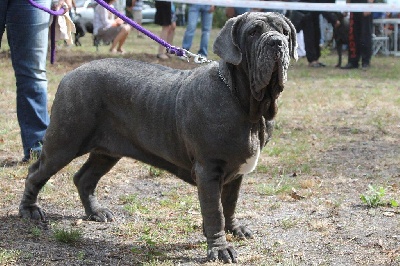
(229, 197)
(86, 180)
(39, 173)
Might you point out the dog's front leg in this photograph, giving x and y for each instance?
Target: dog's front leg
(208, 180)
(230, 195)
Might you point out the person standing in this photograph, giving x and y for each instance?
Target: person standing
(110, 29)
(312, 33)
(134, 11)
(206, 14)
(165, 18)
(360, 38)
(27, 30)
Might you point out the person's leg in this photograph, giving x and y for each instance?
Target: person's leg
(193, 16)
(28, 40)
(317, 38)
(353, 53)
(366, 40)
(138, 17)
(171, 33)
(206, 24)
(121, 37)
(3, 14)
(170, 36)
(163, 35)
(300, 40)
(118, 36)
(309, 39)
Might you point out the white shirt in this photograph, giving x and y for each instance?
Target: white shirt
(103, 19)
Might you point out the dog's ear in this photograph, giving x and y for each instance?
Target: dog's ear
(292, 39)
(225, 45)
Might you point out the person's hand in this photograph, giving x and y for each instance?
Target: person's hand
(118, 21)
(212, 9)
(337, 24)
(366, 14)
(66, 4)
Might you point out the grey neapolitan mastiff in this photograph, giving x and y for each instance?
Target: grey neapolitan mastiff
(206, 126)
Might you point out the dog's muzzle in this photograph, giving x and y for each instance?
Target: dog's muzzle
(271, 62)
(275, 43)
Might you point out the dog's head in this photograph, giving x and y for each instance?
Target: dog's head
(261, 44)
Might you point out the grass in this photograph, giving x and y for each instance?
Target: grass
(374, 197)
(133, 205)
(67, 236)
(7, 257)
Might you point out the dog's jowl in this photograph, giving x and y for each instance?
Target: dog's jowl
(207, 126)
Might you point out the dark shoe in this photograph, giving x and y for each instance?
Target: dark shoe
(315, 65)
(365, 66)
(25, 160)
(349, 66)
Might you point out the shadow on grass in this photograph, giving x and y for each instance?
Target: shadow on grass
(17, 236)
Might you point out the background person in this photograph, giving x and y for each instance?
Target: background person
(110, 29)
(165, 17)
(231, 12)
(133, 11)
(312, 32)
(206, 14)
(360, 38)
(27, 34)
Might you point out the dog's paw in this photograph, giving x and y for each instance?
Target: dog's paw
(226, 254)
(33, 212)
(102, 215)
(242, 232)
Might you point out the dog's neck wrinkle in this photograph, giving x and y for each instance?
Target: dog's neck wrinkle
(237, 80)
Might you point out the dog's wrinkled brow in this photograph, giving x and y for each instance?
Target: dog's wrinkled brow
(274, 24)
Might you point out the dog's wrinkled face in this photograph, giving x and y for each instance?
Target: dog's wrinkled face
(262, 45)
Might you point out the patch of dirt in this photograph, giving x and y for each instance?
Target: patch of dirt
(323, 222)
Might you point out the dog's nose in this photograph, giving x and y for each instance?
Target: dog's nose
(275, 41)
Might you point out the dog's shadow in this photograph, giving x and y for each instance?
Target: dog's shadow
(12, 162)
(39, 244)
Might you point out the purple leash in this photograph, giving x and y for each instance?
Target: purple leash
(170, 49)
(55, 13)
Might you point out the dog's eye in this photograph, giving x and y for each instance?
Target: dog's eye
(285, 32)
(253, 32)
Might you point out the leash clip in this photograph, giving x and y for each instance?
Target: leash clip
(197, 58)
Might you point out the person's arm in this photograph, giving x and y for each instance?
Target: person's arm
(106, 22)
(331, 18)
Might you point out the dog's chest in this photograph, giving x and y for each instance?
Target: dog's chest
(250, 163)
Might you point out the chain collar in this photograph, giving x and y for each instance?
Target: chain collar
(223, 79)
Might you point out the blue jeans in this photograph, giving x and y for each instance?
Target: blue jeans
(206, 23)
(27, 34)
